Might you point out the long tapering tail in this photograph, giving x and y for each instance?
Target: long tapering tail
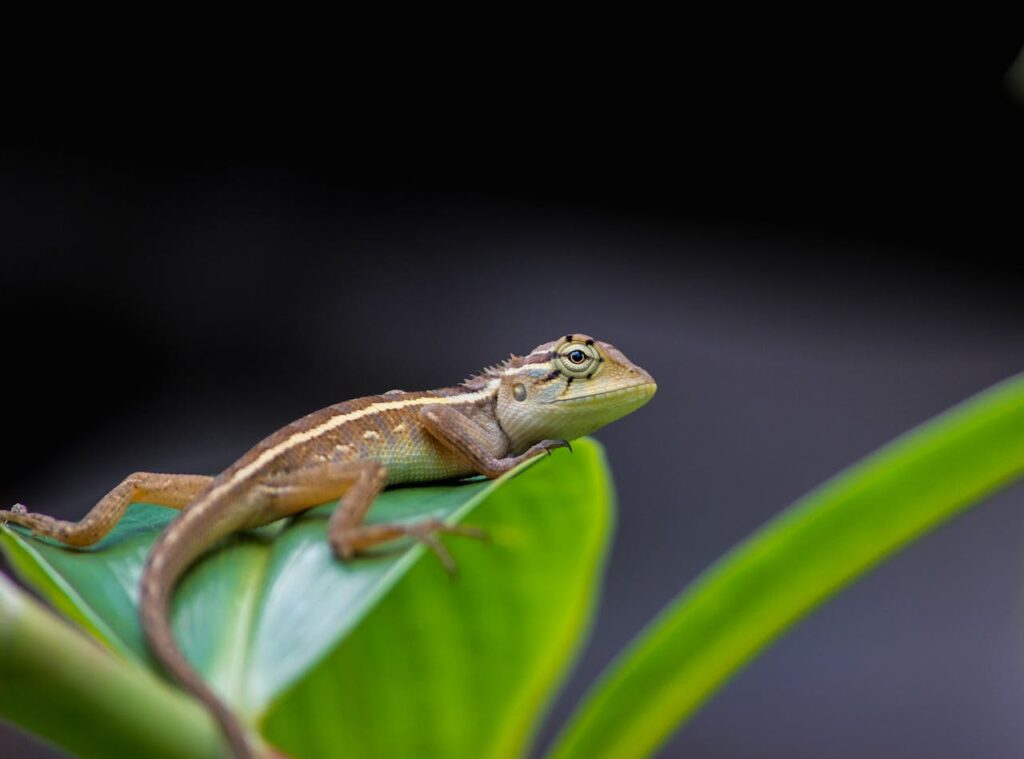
(184, 540)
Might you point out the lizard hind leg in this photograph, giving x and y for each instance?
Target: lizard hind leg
(174, 490)
(348, 535)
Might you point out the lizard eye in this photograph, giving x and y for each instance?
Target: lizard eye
(577, 360)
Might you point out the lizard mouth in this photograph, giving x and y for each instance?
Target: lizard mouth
(642, 391)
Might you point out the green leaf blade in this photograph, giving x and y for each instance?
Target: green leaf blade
(466, 667)
(792, 565)
(295, 625)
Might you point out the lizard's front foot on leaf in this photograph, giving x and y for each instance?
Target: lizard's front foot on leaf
(547, 446)
(347, 545)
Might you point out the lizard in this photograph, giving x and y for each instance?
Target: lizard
(498, 418)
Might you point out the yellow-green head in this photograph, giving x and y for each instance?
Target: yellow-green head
(567, 388)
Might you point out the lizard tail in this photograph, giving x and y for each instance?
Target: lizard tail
(184, 540)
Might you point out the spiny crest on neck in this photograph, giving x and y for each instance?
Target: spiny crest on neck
(509, 365)
(493, 372)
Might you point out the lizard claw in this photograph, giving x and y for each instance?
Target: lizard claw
(427, 531)
(550, 445)
(430, 541)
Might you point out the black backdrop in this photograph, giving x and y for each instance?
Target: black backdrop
(807, 237)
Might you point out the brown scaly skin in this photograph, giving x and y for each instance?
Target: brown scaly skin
(493, 421)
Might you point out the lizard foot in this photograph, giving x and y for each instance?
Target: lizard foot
(348, 544)
(427, 531)
(12, 515)
(546, 446)
(559, 443)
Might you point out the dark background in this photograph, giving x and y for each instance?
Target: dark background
(810, 238)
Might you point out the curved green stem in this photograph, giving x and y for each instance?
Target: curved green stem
(57, 683)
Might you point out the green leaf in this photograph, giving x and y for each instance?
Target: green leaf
(464, 668)
(820, 544)
(58, 683)
(271, 616)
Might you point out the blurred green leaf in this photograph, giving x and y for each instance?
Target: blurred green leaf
(820, 544)
(1015, 78)
(264, 617)
(56, 682)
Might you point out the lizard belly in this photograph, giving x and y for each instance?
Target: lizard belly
(413, 455)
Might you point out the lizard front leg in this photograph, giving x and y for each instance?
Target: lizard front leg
(174, 490)
(459, 433)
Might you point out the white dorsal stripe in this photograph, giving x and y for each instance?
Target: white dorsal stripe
(336, 421)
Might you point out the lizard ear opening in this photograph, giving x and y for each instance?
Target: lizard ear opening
(519, 392)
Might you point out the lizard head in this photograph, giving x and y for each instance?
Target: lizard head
(568, 388)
